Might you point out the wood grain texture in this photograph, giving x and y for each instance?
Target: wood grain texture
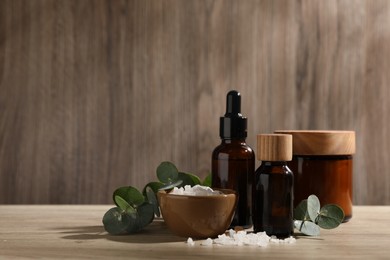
(76, 232)
(320, 142)
(95, 94)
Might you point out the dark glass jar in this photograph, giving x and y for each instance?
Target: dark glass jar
(273, 187)
(329, 177)
(323, 165)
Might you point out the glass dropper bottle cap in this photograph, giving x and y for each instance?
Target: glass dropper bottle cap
(233, 124)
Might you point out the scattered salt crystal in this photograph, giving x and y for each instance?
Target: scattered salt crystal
(207, 242)
(274, 239)
(289, 240)
(190, 242)
(242, 238)
(197, 190)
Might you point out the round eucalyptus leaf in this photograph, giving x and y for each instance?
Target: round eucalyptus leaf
(130, 194)
(171, 185)
(307, 227)
(207, 181)
(145, 215)
(123, 205)
(330, 216)
(115, 221)
(195, 179)
(300, 212)
(186, 179)
(133, 227)
(153, 200)
(167, 172)
(155, 186)
(313, 207)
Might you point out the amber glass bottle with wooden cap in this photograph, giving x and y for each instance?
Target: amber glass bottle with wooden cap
(323, 165)
(273, 190)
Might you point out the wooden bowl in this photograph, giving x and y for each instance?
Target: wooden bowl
(198, 216)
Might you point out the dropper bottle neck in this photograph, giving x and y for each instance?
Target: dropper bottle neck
(233, 140)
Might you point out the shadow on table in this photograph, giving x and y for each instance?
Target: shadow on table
(155, 232)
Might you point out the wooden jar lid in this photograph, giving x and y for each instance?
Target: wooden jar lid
(315, 142)
(274, 147)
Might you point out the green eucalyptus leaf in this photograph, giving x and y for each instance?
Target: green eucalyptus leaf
(171, 185)
(313, 207)
(207, 181)
(116, 221)
(300, 212)
(167, 172)
(145, 214)
(186, 178)
(130, 194)
(195, 179)
(122, 204)
(153, 200)
(126, 207)
(307, 227)
(155, 186)
(330, 216)
(133, 226)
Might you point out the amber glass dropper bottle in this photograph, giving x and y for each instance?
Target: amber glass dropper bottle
(233, 161)
(273, 190)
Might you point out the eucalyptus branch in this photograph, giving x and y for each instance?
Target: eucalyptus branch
(135, 210)
(309, 217)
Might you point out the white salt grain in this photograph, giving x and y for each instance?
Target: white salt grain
(231, 232)
(190, 242)
(207, 242)
(197, 190)
(273, 239)
(289, 240)
(242, 238)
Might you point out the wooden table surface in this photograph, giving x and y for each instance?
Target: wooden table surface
(31, 231)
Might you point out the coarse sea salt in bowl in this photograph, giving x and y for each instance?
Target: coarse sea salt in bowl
(198, 211)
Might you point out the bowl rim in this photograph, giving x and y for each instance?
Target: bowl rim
(222, 195)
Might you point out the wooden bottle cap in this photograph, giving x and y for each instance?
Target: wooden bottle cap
(314, 142)
(274, 147)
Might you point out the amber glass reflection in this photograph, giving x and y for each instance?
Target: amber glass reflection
(233, 167)
(328, 177)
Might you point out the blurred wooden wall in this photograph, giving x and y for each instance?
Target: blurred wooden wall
(95, 94)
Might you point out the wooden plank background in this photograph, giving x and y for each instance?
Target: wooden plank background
(95, 94)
